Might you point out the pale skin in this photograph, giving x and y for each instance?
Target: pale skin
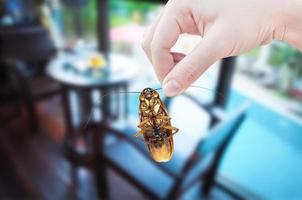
(227, 27)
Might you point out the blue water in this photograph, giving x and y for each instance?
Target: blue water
(266, 153)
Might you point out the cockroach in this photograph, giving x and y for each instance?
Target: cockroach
(155, 126)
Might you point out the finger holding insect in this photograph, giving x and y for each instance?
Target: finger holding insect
(148, 36)
(193, 65)
(161, 44)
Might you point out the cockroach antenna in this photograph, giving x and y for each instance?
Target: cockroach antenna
(136, 92)
(200, 87)
(209, 89)
(90, 114)
(158, 89)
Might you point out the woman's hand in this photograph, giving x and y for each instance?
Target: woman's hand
(228, 28)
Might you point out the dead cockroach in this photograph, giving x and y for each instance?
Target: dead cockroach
(155, 126)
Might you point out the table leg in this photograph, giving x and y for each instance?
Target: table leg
(85, 107)
(67, 111)
(116, 115)
(105, 105)
(125, 87)
(99, 165)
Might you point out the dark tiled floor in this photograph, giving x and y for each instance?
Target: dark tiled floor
(11, 185)
(35, 168)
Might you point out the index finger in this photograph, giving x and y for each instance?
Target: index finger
(165, 37)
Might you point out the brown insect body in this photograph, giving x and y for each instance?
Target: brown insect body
(155, 126)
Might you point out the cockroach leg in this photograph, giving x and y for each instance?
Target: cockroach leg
(140, 125)
(163, 117)
(173, 129)
(142, 131)
(139, 133)
(156, 108)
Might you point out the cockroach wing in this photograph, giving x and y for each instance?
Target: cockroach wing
(154, 120)
(160, 143)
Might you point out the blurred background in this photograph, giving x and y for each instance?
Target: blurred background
(71, 72)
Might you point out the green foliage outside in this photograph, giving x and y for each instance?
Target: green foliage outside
(280, 54)
(121, 12)
(296, 63)
(86, 17)
(254, 53)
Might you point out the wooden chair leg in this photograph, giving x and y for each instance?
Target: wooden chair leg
(101, 178)
(209, 177)
(32, 116)
(99, 165)
(174, 193)
(208, 183)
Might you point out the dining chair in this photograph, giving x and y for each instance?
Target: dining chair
(31, 44)
(25, 50)
(30, 90)
(9, 103)
(130, 158)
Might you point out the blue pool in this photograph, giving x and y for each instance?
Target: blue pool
(266, 154)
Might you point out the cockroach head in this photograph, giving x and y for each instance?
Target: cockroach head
(148, 93)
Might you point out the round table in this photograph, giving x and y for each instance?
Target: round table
(83, 85)
(121, 71)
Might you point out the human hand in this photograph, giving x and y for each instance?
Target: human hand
(227, 27)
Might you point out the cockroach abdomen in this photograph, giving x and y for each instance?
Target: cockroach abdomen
(160, 146)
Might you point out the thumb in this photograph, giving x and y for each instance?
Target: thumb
(193, 65)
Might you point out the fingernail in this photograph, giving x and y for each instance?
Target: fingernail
(172, 88)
